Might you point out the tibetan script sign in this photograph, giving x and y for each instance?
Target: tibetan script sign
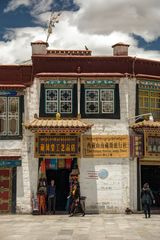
(57, 146)
(114, 146)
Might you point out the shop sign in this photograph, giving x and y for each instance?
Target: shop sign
(8, 93)
(57, 146)
(10, 163)
(114, 146)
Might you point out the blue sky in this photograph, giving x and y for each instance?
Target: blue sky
(98, 24)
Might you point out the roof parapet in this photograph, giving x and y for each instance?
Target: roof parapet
(70, 52)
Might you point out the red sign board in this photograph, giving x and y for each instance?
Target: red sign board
(57, 146)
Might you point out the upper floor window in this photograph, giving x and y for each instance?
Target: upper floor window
(149, 102)
(9, 116)
(58, 98)
(100, 101)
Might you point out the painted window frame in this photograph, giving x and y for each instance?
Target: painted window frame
(115, 114)
(73, 106)
(59, 100)
(149, 98)
(8, 116)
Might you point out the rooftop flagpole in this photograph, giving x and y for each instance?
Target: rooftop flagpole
(54, 18)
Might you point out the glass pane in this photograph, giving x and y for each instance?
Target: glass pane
(66, 107)
(141, 101)
(107, 95)
(66, 95)
(152, 102)
(146, 102)
(13, 105)
(92, 107)
(51, 107)
(107, 107)
(51, 94)
(92, 95)
(13, 126)
(3, 129)
(3, 101)
(157, 103)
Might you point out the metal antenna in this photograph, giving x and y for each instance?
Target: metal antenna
(54, 18)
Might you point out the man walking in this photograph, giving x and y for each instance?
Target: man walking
(147, 198)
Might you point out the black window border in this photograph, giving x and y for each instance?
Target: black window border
(42, 112)
(115, 115)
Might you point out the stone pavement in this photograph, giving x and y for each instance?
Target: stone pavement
(90, 227)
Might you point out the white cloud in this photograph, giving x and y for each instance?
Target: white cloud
(105, 16)
(98, 25)
(37, 6)
(17, 48)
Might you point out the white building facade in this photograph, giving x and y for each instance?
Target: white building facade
(95, 98)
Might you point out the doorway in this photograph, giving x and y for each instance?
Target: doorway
(61, 178)
(151, 175)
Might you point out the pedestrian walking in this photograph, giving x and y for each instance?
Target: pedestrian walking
(76, 205)
(51, 197)
(147, 199)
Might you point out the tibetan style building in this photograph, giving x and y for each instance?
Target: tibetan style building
(69, 113)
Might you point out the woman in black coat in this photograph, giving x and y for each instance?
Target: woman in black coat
(147, 199)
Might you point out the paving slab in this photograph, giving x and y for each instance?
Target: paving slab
(90, 227)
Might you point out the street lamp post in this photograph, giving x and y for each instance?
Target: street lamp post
(141, 115)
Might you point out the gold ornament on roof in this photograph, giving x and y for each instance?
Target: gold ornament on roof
(58, 116)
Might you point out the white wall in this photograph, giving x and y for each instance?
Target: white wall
(109, 195)
(27, 175)
(119, 189)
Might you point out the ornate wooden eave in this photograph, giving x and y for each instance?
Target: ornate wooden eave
(62, 126)
(146, 126)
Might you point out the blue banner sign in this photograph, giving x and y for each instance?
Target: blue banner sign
(8, 93)
(10, 163)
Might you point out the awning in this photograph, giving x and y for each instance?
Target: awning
(41, 125)
(146, 126)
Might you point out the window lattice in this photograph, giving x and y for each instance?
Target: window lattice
(65, 100)
(58, 100)
(51, 101)
(107, 99)
(99, 101)
(149, 101)
(9, 116)
(92, 100)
